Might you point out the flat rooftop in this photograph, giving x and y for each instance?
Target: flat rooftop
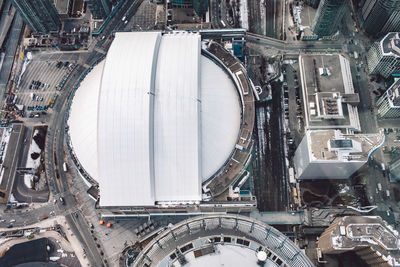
(333, 145)
(366, 231)
(62, 6)
(328, 93)
(391, 44)
(238, 160)
(394, 94)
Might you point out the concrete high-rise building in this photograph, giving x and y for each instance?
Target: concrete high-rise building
(394, 170)
(199, 6)
(370, 237)
(40, 15)
(384, 56)
(381, 16)
(182, 3)
(328, 17)
(389, 103)
(329, 154)
(99, 8)
(312, 3)
(328, 93)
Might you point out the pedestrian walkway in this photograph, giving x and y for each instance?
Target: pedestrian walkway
(279, 217)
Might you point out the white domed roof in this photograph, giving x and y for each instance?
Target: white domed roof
(154, 120)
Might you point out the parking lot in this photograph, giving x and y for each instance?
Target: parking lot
(37, 89)
(144, 18)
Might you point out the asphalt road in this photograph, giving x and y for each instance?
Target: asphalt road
(81, 231)
(55, 137)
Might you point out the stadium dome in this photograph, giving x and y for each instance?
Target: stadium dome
(154, 120)
(220, 240)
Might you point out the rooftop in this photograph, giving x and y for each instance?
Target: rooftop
(143, 127)
(394, 94)
(391, 44)
(221, 240)
(354, 232)
(328, 93)
(62, 6)
(333, 145)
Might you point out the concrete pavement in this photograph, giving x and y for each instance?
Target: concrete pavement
(279, 217)
(302, 46)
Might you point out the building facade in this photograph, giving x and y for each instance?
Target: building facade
(394, 170)
(329, 154)
(370, 237)
(99, 8)
(384, 56)
(381, 16)
(389, 103)
(199, 6)
(328, 17)
(312, 3)
(40, 15)
(182, 3)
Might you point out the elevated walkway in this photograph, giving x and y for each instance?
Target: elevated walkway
(279, 217)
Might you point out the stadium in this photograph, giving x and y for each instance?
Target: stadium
(164, 119)
(220, 240)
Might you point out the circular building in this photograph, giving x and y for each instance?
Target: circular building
(155, 120)
(221, 240)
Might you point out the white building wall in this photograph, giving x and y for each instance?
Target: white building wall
(302, 157)
(309, 168)
(330, 169)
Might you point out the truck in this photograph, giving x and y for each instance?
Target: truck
(32, 96)
(65, 167)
